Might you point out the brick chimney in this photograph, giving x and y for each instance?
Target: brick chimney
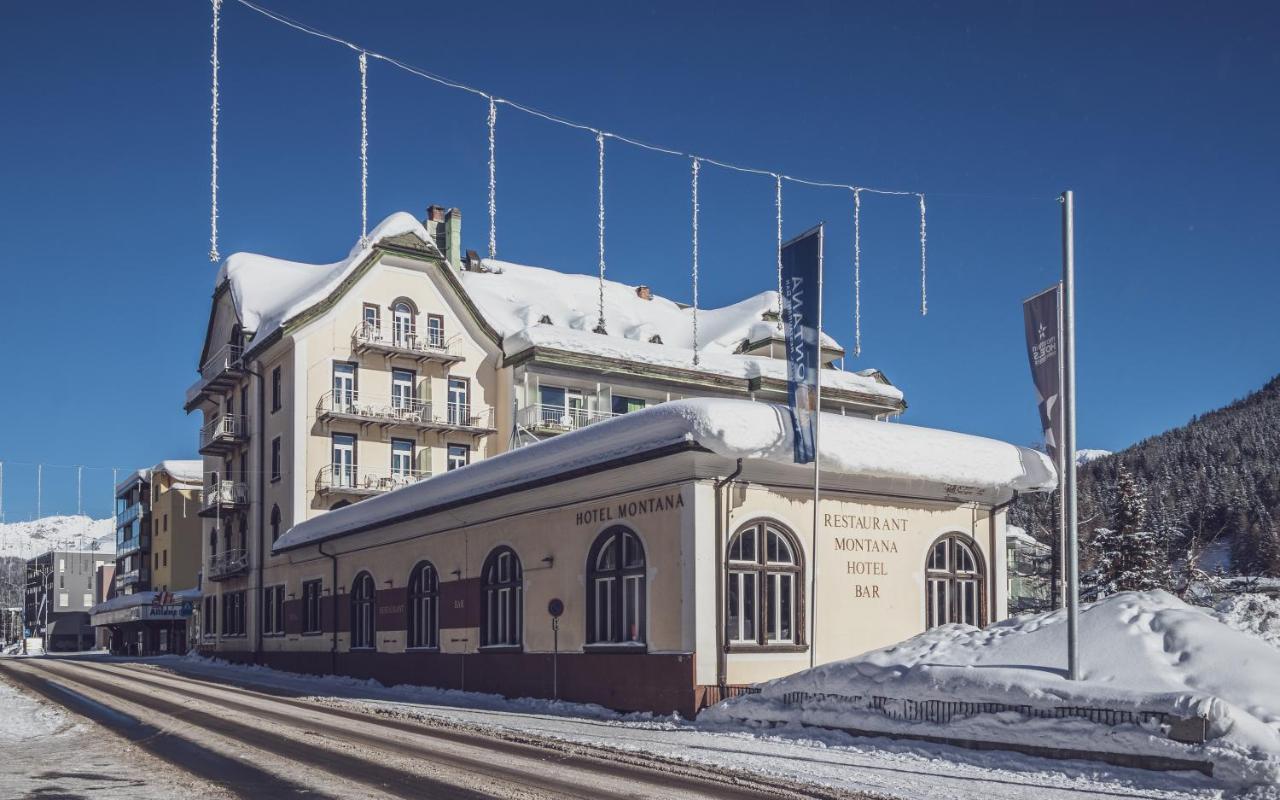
(644, 292)
(444, 226)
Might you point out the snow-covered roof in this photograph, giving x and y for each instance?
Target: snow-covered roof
(529, 306)
(727, 427)
(1139, 651)
(182, 471)
(269, 291)
(132, 478)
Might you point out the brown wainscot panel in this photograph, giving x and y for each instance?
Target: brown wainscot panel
(460, 603)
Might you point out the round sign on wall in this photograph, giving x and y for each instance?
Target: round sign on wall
(556, 607)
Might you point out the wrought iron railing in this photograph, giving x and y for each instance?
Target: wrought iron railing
(559, 418)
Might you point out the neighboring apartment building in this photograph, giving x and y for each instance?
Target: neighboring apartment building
(320, 386)
(60, 590)
(158, 550)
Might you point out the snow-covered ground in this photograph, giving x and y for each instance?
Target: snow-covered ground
(1142, 652)
(1256, 614)
(899, 769)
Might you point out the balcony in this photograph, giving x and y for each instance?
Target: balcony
(224, 497)
(228, 564)
(132, 545)
(224, 434)
(403, 412)
(549, 420)
(349, 481)
(134, 577)
(405, 341)
(223, 370)
(129, 515)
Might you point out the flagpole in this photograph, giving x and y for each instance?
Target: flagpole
(1069, 431)
(1059, 597)
(817, 473)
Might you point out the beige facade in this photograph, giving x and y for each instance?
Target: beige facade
(383, 377)
(176, 533)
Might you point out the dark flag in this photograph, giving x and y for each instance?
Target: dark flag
(1041, 314)
(801, 321)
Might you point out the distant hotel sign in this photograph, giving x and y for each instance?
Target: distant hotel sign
(801, 295)
(1041, 316)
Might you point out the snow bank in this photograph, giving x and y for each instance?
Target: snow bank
(268, 291)
(1140, 652)
(730, 428)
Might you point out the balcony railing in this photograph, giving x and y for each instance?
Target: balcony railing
(129, 515)
(224, 496)
(223, 369)
(228, 564)
(223, 433)
(352, 480)
(405, 340)
(553, 419)
(133, 577)
(132, 544)
(403, 411)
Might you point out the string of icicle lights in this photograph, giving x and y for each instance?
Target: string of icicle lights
(600, 135)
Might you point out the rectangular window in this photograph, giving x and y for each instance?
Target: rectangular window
(275, 390)
(62, 565)
(275, 459)
(371, 320)
(273, 611)
(401, 461)
(344, 461)
(459, 455)
(624, 405)
(435, 331)
(344, 387)
(403, 403)
(166, 523)
(88, 599)
(311, 606)
(164, 562)
(459, 401)
(64, 600)
(244, 403)
(210, 621)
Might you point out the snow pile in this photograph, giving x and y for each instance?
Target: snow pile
(77, 533)
(1256, 614)
(268, 291)
(730, 428)
(25, 719)
(182, 471)
(1140, 652)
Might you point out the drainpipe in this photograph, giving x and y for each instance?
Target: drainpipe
(333, 594)
(722, 522)
(262, 493)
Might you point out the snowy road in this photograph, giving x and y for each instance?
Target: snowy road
(287, 735)
(253, 744)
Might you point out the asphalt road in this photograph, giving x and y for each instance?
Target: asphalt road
(245, 742)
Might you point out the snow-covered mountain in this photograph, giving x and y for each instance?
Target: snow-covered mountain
(28, 539)
(1085, 456)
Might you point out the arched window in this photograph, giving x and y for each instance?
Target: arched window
(362, 613)
(763, 598)
(424, 606)
(502, 607)
(275, 523)
(616, 588)
(402, 324)
(953, 582)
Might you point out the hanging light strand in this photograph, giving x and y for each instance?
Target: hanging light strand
(696, 167)
(924, 290)
(777, 204)
(493, 181)
(213, 144)
(364, 149)
(857, 273)
(600, 221)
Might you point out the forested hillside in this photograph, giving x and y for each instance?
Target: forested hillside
(1212, 484)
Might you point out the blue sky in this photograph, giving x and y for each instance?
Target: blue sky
(1159, 116)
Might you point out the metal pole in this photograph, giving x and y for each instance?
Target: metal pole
(555, 658)
(1058, 599)
(817, 473)
(79, 494)
(1069, 431)
(39, 490)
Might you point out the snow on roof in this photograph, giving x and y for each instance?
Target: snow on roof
(142, 599)
(1013, 533)
(269, 291)
(182, 471)
(1139, 651)
(131, 479)
(730, 428)
(718, 362)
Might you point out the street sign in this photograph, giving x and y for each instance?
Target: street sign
(556, 607)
